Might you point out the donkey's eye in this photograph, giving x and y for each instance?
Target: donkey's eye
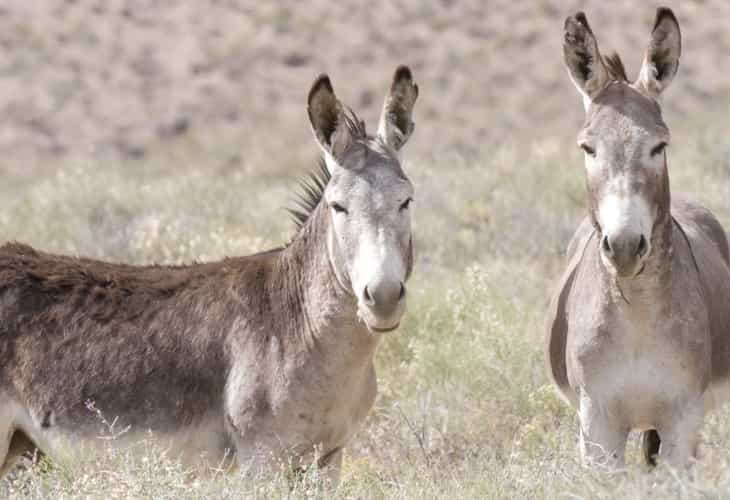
(338, 208)
(405, 204)
(588, 150)
(658, 149)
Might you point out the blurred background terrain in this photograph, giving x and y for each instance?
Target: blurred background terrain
(171, 131)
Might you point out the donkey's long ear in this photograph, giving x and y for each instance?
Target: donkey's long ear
(582, 58)
(662, 56)
(396, 124)
(327, 117)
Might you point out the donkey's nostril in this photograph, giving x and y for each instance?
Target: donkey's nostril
(606, 245)
(641, 249)
(383, 297)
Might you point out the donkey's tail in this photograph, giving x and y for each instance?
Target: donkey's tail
(650, 442)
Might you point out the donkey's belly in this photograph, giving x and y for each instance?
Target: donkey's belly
(198, 444)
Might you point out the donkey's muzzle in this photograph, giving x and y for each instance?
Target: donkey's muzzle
(625, 252)
(385, 303)
(383, 298)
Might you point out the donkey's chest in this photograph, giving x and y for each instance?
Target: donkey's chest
(299, 410)
(653, 357)
(322, 408)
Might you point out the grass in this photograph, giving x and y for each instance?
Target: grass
(465, 409)
(464, 412)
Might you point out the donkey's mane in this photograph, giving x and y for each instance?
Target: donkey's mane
(312, 185)
(309, 194)
(615, 67)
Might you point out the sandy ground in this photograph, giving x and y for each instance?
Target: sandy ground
(91, 81)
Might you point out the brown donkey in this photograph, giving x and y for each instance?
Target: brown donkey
(268, 357)
(638, 332)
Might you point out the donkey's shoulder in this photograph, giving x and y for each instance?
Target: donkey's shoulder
(556, 322)
(709, 247)
(691, 213)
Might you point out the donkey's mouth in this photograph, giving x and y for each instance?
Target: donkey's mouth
(384, 330)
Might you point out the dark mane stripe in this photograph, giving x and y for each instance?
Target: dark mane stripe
(311, 190)
(355, 126)
(615, 67)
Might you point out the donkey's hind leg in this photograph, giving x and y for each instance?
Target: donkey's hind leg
(6, 434)
(14, 443)
(20, 447)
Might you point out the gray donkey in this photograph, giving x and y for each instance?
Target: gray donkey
(638, 332)
(265, 359)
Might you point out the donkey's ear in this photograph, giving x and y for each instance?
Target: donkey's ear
(662, 56)
(327, 117)
(396, 124)
(582, 58)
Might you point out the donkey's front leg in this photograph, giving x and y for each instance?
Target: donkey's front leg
(602, 434)
(331, 464)
(324, 471)
(679, 435)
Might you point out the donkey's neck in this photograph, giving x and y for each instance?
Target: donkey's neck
(328, 311)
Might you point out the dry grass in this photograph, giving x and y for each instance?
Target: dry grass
(93, 164)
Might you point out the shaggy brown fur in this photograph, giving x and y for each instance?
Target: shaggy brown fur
(132, 328)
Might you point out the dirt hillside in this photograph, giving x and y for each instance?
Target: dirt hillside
(96, 79)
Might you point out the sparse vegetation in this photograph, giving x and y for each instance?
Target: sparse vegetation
(465, 408)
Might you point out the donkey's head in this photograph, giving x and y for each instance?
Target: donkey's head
(368, 198)
(624, 139)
